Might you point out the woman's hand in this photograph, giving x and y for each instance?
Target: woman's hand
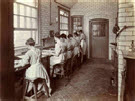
(17, 64)
(52, 52)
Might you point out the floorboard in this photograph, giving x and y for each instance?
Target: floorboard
(91, 82)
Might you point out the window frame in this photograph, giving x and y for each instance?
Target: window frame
(78, 26)
(25, 17)
(68, 11)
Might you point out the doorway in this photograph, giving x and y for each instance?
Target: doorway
(99, 40)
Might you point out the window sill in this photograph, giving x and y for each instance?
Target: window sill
(22, 50)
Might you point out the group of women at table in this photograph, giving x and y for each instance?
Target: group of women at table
(66, 47)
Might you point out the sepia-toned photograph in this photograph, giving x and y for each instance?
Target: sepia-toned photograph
(67, 50)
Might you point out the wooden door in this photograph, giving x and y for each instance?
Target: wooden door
(99, 38)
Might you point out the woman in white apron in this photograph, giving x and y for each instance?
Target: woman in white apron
(36, 70)
(77, 44)
(83, 44)
(59, 55)
(73, 44)
(70, 47)
(64, 44)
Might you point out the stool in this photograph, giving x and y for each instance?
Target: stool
(79, 60)
(33, 82)
(60, 66)
(74, 62)
(68, 67)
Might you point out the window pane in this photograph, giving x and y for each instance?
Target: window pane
(27, 2)
(64, 32)
(63, 19)
(22, 12)
(15, 21)
(60, 19)
(98, 30)
(78, 19)
(28, 11)
(65, 13)
(64, 26)
(60, 26)
(74, 19)
(61, 32)
(34, 12)
(28, 22)
(32, 3)
(61, 12)
(79, 23)
(75, 27)
(76, 23)
(15, 8)
(22, 22)
(36, 3)
(20, 37)
(35, 36)
(34, 23)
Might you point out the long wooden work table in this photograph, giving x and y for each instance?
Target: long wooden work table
(20, 71)
(46, 53)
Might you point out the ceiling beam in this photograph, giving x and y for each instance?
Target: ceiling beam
(61, 4)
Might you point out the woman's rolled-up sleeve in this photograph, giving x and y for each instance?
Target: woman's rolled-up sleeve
(25, 59)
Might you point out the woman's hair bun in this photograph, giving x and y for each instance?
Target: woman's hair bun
(30, 42)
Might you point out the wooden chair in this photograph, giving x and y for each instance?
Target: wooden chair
(34, 82)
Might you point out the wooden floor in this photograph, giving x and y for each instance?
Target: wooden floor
(89, 83)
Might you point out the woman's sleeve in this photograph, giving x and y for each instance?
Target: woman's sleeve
(40, 55)
(25, 59)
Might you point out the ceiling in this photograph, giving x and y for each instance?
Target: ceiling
(68, 3)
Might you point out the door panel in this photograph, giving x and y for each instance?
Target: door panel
(99, 38)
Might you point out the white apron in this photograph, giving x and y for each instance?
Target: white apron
(37, 70)
(69, 49)
(59, 48)
(77, 47)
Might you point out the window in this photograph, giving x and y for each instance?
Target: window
(25, 21)
(63, 21)
(77, 23)
(98, 29)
